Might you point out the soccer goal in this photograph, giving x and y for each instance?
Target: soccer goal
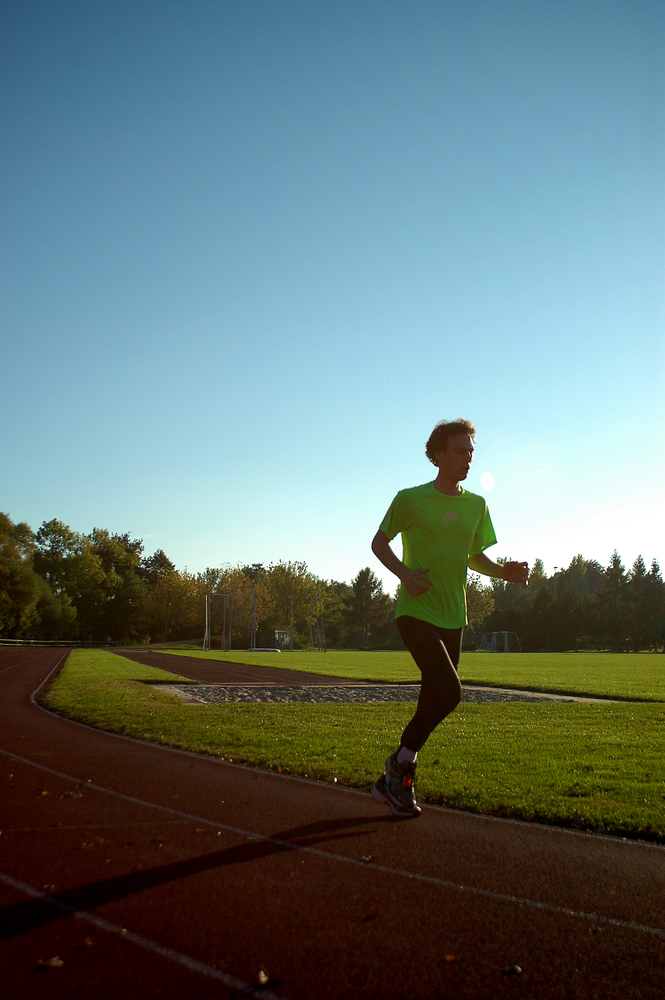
(500, 642)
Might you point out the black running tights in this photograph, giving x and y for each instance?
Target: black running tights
(437, 652)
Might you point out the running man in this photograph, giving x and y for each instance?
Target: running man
(444, 530)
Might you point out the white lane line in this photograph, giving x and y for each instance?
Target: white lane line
(142, 942)
(28, 659)
(367, 865)
(13, 666)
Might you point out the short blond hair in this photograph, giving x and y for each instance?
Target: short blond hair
(445, 429)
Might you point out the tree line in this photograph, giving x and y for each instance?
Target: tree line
(59, 584)
(586, 606)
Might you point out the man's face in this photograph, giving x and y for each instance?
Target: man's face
(455, 461)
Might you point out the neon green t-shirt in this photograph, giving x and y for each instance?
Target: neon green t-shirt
(439, 533)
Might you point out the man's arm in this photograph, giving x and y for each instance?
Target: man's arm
(511, 572)
(415, 580)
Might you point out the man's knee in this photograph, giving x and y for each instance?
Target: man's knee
(447, 701)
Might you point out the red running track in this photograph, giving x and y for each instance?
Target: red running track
(225, 672)
(154, 873)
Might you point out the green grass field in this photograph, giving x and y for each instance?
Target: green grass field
(596, 767)
(635, 676)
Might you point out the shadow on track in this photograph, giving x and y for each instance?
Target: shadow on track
(20, 917)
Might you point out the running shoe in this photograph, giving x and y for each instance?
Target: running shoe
(395, 787)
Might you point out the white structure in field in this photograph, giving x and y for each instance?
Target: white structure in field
(283, 639)
(500, 642)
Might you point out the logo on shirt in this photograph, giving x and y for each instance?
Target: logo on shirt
(450, 515)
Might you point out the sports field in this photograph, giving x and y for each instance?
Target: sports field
(594, 766)
(635, 676)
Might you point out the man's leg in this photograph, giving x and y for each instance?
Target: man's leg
(436, 652)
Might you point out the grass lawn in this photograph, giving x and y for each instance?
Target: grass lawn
(596, 767)
(638, 676)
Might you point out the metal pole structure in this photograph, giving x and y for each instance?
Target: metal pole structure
(290, 623)
(252, 639)
(323, 631)
(318, 630)
(311, 634)
(233, 597)
(206, 638)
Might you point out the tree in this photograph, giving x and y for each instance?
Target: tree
(56, 549)
(537, 575)
(479, 601)
(154, 566)
(29, 608)
(172, 607)
(613, 605)
(567, 622)
(19, 583)
(509, 595)
(288, 585)
(645, 597)
(655, 599)
(107, 587)
(253, 572)
(540, 621)
(242, 602)
(370, 610)
(583, 576)
(336, 598)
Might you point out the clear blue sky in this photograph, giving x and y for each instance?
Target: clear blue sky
(254, 250)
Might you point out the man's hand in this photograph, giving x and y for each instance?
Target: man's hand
(511, 572)
(516, 572)
(416, 582)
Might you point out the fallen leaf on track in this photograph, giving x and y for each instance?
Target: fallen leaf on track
(51, 963)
